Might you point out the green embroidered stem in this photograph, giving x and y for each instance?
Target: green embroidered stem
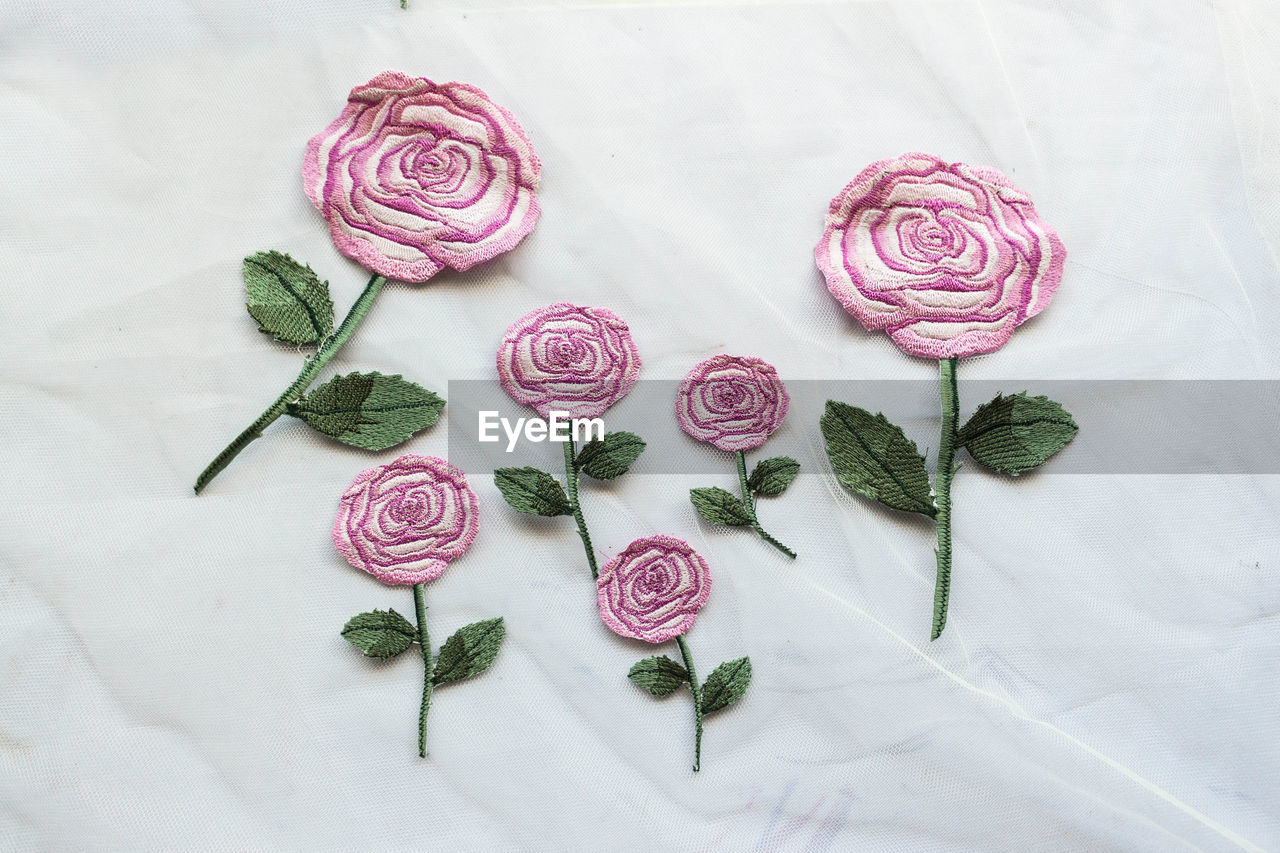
(697, 701)
(946, 464)
(751, 507)
(571, 476)
(424, 639)
(327, 350)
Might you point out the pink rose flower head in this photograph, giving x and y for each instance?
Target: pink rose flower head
(403, 522)
(653, 590)
(948, 258)
(733, 402)
(416, 176)
(565, 358)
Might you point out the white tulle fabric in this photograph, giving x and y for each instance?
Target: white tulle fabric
(173, 677)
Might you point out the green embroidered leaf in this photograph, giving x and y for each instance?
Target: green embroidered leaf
(717, 506)
(874, 458)
(660, 675)
(381, 634)
(772, 476)
(287, 299)
(531, 491)
(726, 684)
(1017, 433)
(611, 457)
(470, 651)
(369, 410)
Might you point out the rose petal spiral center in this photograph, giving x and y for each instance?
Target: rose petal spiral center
(655, 578)
(408, 509)
(565, 352)
(729, 395)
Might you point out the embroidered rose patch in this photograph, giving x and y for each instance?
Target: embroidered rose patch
(734, 403)
(413, 177)
(949, 259)
(416, 176)
(651, 592)
(404, 523)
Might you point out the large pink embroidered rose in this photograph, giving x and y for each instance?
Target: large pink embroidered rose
(949, 258)
(416, 176)
(566, 358)
(403, 522)
(733, 402)
(653, 590)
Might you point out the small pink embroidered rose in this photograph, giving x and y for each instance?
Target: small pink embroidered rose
(948, 258)
(566, 358)
(653, 590)
(403, 522)
(733, 402)
(416, 176)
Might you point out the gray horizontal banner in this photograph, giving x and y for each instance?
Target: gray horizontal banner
(1126, 426)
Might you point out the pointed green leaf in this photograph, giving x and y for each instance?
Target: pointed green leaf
(380, 634)
(660, 675)
(726, 684)
(1017, 433)
(611, 457)
(287, 299)
(772, 476)
(874, 458)
(717, 506)
(531, 491)
(470, 651)
(369, 410)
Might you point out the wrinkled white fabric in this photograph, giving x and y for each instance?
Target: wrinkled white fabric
(172, 675)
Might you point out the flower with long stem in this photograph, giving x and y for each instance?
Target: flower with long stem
(413, 177)
(735, 403)
(652, 592)
(574, 361)
(404, 523)
(949, 259)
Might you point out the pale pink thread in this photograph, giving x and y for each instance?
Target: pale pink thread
(570, 359)
(403, 522)
(948, 258)
(415, 176)
(654, 589)
(732, 402)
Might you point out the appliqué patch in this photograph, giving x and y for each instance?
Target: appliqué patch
(949, 259)
(404, 523)
(416, 176)
(735, 403)
(567, 358)
(413, 177)
(652, 592)
(576, 361)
